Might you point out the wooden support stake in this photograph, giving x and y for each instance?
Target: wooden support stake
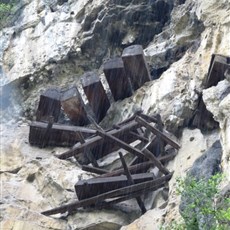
(117, 79)
(49, 105)
(95, 94)
(135, 65)
(74, 107)
(131, 182)
(158, 133)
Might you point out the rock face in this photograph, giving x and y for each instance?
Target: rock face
(53, 42)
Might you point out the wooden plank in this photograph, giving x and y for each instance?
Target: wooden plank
(74, 107)
(93, 187)
(135, 65)
(127, 197)
(158, 133)
(49, 105)
(97, 144)
(96, 170)
(117, 79)
(95, 94)
(59, 135)
(131, 182)
(148, 185)
(141, 167)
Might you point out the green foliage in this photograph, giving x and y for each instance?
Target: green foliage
(6, 11)
(201, 200)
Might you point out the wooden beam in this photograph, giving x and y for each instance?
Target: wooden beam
(141, 167)
(131, 182)
(88, 168)
(74, 107)
(97, 144)
(120, 143)
(117, 79)
(158, 133)
(135, 65)
(95, 94)
(156, 161)
(95, 186)
(87, 152)
(49, 105)
(59, 135)
(148, 185)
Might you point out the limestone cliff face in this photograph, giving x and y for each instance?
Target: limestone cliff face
(53, 42)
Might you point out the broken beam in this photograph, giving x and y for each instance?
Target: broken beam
(158, 133)
(148, 185)
(97, 142)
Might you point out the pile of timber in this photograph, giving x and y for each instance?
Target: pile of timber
(123, 74)
(131, 180)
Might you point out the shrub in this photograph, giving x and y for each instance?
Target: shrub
(201, 209)
(6, 11)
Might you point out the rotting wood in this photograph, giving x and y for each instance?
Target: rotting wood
(46, 137)
(158, 133)
(156, 161)
(96, 170)
(49, 105)
(117, 79)
(135, 65)
(148, 185)
(87, 152)
(95, 94)
(74, 107)
(121, 143)
(141, 167)
(139, 137)
(98, 142)
(126, 197)
(60, 135)
(131, 182)
(95, 186)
